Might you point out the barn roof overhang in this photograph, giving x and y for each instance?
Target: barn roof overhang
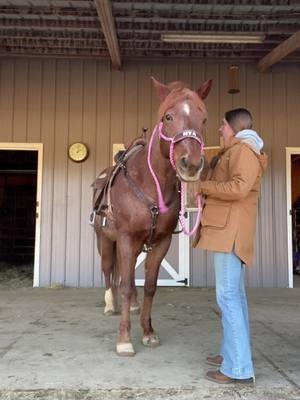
(126, 29)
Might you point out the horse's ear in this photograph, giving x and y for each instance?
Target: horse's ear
(161, 89)
(204, 89)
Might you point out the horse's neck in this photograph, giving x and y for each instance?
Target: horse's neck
(140, 172)
(164, 173)
(161, 163)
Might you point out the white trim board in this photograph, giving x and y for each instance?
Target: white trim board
(39, 148)
(289, 152)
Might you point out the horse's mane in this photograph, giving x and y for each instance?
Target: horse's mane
(179, 91)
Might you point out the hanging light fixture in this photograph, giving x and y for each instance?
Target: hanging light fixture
(233, 79)
(216, 37)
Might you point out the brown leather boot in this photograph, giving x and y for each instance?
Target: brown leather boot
(218, 377)
(216, 361)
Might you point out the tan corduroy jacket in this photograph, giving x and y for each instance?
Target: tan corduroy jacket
(229, 216)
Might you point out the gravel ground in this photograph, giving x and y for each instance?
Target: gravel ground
(228, 393)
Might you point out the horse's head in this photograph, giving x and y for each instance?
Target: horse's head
(182, 116)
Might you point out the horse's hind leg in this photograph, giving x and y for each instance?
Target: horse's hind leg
(107, 250)
(152, 265)
(134, 304)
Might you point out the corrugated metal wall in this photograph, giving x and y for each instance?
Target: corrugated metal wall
(57, 102)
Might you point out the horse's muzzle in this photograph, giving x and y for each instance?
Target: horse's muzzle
(189, 171)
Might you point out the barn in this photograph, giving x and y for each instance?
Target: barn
(78, 71)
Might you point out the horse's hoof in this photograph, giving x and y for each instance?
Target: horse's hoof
(108, 312)
(135, 309)
(150, 340)
(110, 306)
(125, 350)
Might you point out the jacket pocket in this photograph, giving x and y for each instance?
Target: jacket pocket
(216, 215)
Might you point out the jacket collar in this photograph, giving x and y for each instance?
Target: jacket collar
(230, 143)
(233, 141)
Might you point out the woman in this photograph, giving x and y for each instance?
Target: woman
(228, 230)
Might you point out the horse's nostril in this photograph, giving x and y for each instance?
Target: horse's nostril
(184, 162)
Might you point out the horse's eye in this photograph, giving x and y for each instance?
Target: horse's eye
(168, 117)
(204, 121)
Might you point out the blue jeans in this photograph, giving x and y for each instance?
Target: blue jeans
(232, 300)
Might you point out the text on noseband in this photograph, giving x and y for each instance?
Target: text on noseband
(189, 133)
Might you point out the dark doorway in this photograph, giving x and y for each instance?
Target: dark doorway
(295, 177)
(18, 186)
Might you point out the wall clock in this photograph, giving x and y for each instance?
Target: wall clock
(78, 152)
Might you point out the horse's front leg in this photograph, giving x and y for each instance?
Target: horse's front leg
(152, 265)
(127, 251)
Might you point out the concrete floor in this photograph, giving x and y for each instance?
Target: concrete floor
(56, 344)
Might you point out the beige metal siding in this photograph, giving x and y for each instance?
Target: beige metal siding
(48, 118)
(88, 174)
(75, 176)
(7, 99)
(265, 211)
(58, 102)
(278, 169)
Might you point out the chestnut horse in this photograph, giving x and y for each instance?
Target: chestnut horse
(145, 205)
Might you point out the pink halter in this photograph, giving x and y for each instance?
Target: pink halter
(188, 134)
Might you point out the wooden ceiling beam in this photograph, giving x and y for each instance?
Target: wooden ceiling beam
(108, 26)
(282, 50)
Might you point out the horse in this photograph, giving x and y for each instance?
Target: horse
(144, 204)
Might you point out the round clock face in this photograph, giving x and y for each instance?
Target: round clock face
(78, 152)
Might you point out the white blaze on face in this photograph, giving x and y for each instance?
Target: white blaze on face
(186, 109)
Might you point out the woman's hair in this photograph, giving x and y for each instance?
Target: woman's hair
(239, 119)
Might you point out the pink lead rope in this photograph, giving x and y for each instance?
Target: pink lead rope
(161, 204)
(181, 213)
